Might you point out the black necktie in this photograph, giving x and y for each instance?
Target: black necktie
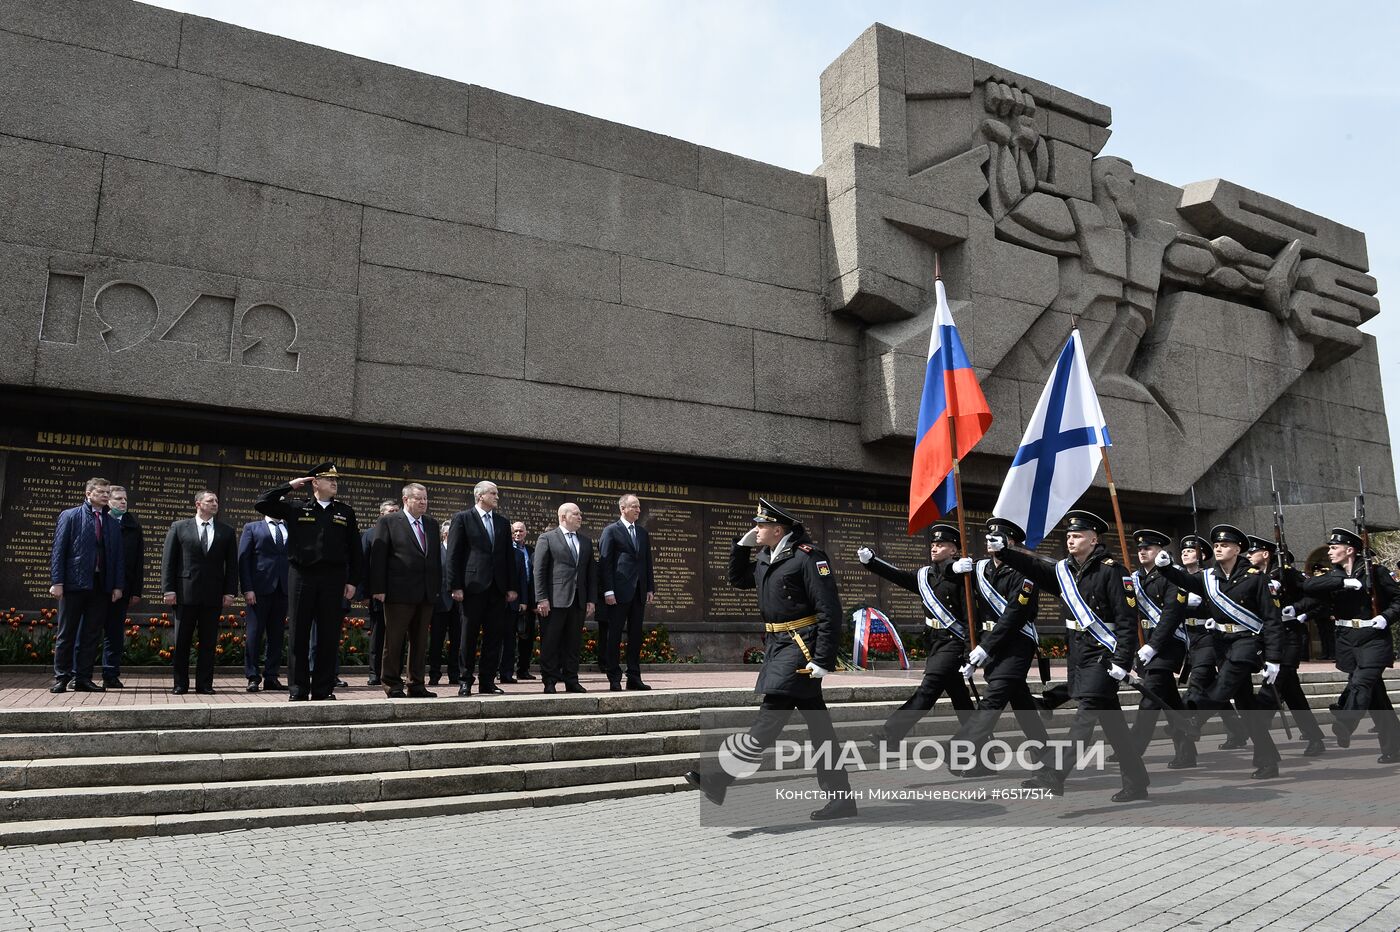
(277, 533)
(204, 536)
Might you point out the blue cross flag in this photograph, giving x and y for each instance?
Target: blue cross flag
(1060, 451)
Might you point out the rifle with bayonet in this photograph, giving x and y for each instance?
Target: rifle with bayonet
(1358, 517)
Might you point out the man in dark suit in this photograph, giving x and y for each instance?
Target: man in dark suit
(405, 578)
(525, 605)
(445, 633)
(199, 576)
(262, 573)
(133, 557)
(325, 561)
(481, 572)
(566, 583)
(376, 608)
(625, 576)
(87, 569)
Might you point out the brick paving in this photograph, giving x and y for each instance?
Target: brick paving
(650, 863)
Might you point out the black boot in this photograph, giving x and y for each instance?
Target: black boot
(1315, 748)
(839, 808)
(713, 790)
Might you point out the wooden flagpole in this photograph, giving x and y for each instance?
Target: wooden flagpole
(968, 600)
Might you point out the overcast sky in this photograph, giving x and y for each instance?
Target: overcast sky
(1297, 100)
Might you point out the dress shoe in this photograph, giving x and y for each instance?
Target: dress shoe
(509, 680)
(1267, 772)
(372, 681)
(87, 686)
(326, 698)
(1182, 762)
(490, 689)
(835, 809)
(59, 686)
(615, 687)
(298, 697)
(638, 685)
(254, 686)
(273, 683)
(1315, 748)
(1389, 757)
(341, 684)
(418, 692)
(550, 688)
(1342, 735)
(1055, 787)
(713, 791)
(396, 694)
(464, 690)
(205, 690)
(574, 687)
(179, 690)
(1233, 744)
(1129, 794)
(526, 675)
(111, 682)
(435, 679)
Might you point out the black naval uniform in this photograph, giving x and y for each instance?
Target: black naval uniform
(1011, 648)
(1101, 583)
(1287, 688)
(801, 610)
(324, 555)
(1363, 652)
(946, 648)
(1159, 674)
(1205, 653)
(1240, 649)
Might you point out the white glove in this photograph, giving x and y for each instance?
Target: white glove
(1192, 599)
(1118, 673)
(814, 671)
(977, 657)
(1350, 583)
(750, 539)
(968, 671)
(995, 542)
(1274, 586)
(1270, 672)
(1289, 613)
(1379, 622)
(865, 555)
(963, 565)
(1145, 653)
(1302, 619)
(1163, 558)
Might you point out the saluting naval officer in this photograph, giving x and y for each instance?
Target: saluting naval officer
(802, 616)
(325, 561)
(1364, 644)
(1161, 609)
(1246, 617)
(1095, 593)
(941, 591)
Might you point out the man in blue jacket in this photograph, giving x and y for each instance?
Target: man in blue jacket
(262, 570)
(626, 577)
(87, 570)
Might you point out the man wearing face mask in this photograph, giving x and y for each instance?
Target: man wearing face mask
(1094, 590)
(802, 617)
(941, 591)
(1286, 582)
(1364, 645)
(1245, 617)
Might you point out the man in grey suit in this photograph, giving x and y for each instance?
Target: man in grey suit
(566, 587)
(199, 576)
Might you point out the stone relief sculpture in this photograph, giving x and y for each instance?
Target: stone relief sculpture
(925, 148)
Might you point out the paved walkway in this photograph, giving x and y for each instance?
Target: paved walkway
(29, 689)
(649, 863)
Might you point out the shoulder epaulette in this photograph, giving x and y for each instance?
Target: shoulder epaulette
(806, 548)
(1107, 561)
(1254, 570)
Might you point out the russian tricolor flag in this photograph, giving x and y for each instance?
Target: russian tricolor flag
(952, 399)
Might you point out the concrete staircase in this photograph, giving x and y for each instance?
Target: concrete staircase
(72, 774)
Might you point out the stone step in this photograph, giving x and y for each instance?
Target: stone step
(47, 831)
